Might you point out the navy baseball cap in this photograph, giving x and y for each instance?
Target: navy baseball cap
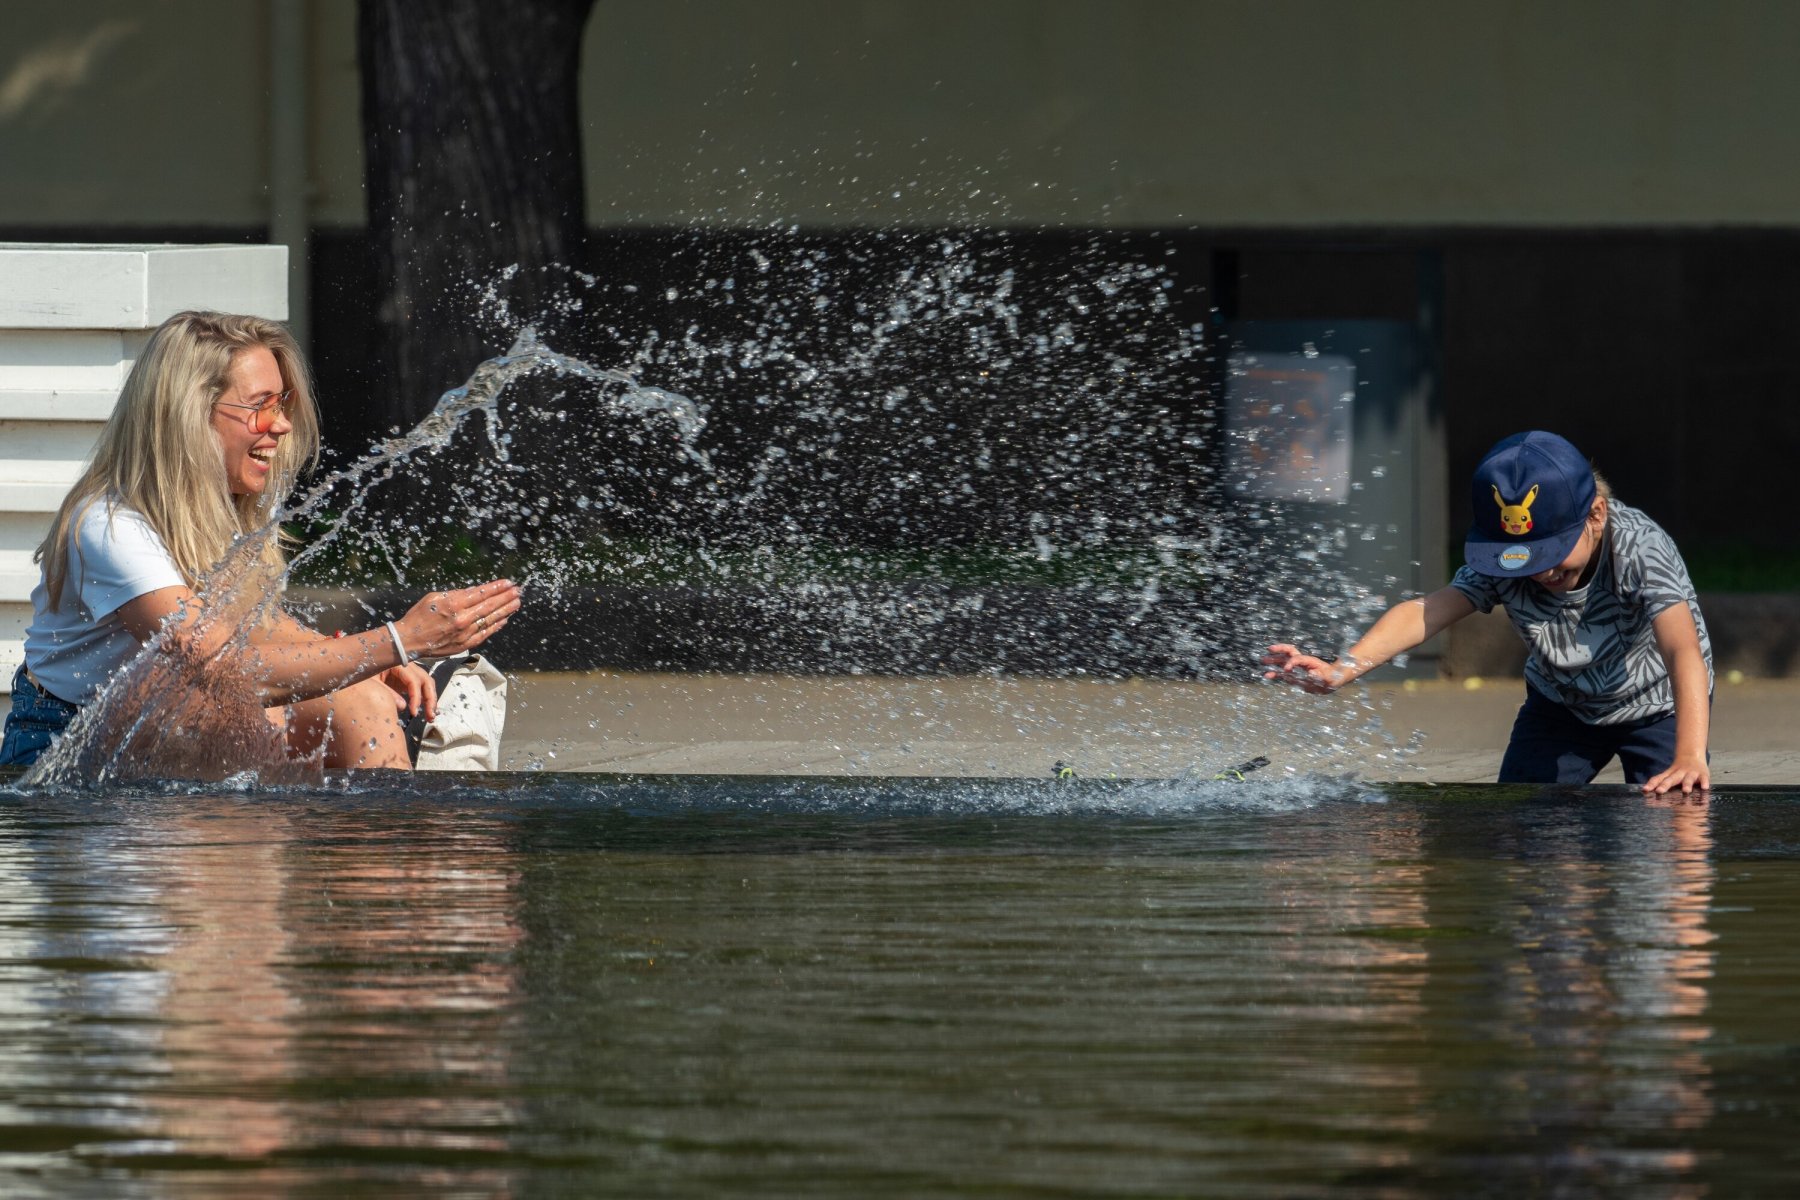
(1531, 496)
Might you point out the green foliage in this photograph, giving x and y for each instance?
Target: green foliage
(363, 559)
(1742, 568)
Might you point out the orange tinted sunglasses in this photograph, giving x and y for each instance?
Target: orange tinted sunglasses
(259, 414)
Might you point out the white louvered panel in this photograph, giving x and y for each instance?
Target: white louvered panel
(51, 287)
(39, 460)
(13, 620)
(66, 404)
(50, 360)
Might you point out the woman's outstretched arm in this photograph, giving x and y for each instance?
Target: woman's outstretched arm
(287, 668)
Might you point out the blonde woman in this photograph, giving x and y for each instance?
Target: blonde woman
(214, 424)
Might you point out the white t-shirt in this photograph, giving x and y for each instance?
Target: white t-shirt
(114, 557)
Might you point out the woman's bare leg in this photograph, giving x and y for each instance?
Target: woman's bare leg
(359, 725)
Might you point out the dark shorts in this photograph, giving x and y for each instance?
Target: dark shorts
(1550, 744)
(35, 720)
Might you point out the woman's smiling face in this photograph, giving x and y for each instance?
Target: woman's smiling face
(249, 456)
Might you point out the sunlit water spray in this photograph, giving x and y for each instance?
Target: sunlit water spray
(172, 714)
(859, 447)
(974, 465)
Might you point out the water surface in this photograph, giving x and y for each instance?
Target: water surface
(584, 985)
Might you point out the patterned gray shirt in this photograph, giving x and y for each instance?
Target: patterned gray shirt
(1593, 649)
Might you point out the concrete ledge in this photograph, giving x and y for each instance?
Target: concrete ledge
(1020, 726)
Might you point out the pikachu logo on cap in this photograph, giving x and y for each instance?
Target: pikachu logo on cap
(1516, 518)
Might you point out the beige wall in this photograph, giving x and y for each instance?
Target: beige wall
(140, 113)
(1119, 112)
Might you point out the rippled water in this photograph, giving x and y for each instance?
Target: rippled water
(569, 985)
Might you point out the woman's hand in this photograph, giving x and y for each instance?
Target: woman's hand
(414, 690)
(1305, 672)
(446, 623)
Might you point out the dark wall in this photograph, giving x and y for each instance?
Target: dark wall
(1668, 357)
(922, 387)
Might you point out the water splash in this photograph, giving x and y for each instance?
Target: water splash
(174, 713)
(960, 470)
(936, 456)
(932, 453)
(651, 797)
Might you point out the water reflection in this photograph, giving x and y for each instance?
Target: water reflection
(211, 986)
(404, 952)
(1573, 976)
(227, 1016)
(610, 990)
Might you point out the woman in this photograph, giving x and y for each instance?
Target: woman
(213, 426)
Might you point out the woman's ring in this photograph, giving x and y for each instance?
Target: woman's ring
(481, 622)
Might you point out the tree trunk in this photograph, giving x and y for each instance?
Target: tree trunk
(471, 133)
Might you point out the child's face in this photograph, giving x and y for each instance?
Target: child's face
(1564, 576)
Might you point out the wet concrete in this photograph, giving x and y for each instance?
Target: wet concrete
(994, 725)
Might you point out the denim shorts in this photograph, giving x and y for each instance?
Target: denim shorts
(35, 720)
(1550, 744)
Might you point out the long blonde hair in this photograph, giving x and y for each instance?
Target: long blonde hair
(160, 455)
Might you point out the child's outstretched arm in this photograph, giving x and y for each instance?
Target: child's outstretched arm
(1398, 630)
(1679, 643)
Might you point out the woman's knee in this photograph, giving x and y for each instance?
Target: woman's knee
(369, 700)
(358, 725)
(369, 721)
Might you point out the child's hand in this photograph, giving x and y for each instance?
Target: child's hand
(1688, 772)
(1305, 672)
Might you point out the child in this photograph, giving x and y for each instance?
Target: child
(1620, 663)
